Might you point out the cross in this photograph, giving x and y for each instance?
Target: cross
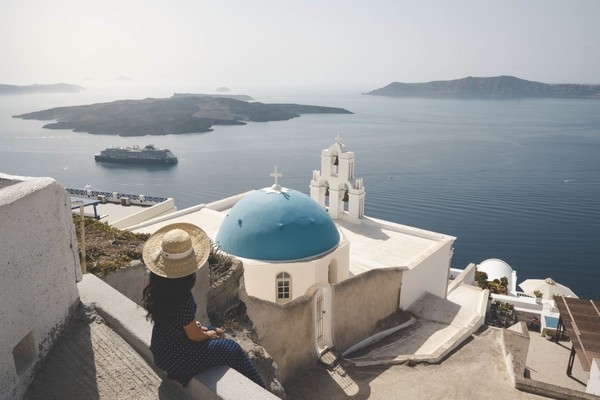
(276, 175)
(338, 139)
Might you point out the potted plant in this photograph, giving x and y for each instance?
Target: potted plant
(538, 296)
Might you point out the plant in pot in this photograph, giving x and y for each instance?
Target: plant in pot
(538, 296)
(548, 333)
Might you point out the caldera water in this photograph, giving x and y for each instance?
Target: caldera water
(517, 180)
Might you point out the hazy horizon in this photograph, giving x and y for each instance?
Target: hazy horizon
(356, 44)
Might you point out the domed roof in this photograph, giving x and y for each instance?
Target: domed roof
(275, 224)
(496, 269)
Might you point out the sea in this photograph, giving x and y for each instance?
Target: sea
(517, 180)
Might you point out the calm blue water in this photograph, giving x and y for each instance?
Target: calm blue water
(516, 180)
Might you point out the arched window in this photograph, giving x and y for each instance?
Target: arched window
(283, 287)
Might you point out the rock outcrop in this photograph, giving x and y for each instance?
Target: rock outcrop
(182, 113)
(501, 87)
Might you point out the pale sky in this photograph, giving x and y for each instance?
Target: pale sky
(358, 43)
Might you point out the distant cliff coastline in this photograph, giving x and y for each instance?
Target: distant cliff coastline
(54, 88)
(501, 87)
(175, 115)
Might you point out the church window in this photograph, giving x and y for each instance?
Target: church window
(283, 287)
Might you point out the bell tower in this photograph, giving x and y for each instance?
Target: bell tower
(335, 187)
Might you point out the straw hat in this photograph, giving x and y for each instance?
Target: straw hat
(176, 250)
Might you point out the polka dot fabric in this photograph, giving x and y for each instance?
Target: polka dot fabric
(182, 358)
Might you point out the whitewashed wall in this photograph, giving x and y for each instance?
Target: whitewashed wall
(259, 277)
(593, 386)
(430, 275)
(39, 269)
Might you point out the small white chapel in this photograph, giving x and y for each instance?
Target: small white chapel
(289, 241)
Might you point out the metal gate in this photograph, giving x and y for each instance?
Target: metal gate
(320, 319)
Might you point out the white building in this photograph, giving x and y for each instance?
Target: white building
(498, 269)
(289, 241)
(39, 269)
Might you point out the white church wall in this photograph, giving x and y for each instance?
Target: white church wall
(260, 277)
(342, 261)
(429, 275)
(39, 270)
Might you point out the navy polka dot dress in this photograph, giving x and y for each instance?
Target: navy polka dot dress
(182, 358)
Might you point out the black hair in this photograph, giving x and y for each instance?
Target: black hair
(162, 296)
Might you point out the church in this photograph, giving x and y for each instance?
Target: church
(289, 241)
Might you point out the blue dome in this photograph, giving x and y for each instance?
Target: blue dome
(274, 225)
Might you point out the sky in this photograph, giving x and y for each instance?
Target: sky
(329, 43)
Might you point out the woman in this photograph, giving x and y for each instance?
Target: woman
(180, 345)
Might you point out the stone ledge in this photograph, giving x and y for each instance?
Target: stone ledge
(128, 320)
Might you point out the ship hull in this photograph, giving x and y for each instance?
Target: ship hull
(155, 161)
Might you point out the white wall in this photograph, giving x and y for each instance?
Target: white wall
(429, 275)
(593, 385)
(259, 277)
(39, 269)
(145, 214)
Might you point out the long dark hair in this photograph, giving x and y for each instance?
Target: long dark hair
(162, 296)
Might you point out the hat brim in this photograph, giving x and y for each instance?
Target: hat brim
(169, 268)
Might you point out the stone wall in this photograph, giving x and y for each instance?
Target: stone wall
(39, 269)
(361, 306)
(286, 331)
(362, 303)
(222, 294)
(132, 280)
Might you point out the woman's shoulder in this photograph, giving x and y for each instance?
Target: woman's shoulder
(189, 300)
(188, 306)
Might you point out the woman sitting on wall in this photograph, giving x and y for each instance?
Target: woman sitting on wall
(181, 346)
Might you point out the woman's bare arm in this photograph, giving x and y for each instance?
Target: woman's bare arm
(194, 332)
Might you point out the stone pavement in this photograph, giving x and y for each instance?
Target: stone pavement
(547, 362)
(90, 361)
(476, 370)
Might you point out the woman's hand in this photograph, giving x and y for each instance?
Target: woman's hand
(220, 333)
(198, 333)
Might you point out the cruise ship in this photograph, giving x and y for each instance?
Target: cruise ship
(137, 155)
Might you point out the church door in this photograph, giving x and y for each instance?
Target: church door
(323, 318)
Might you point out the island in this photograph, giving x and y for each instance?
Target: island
(35, 88)
(500, 87)
(181, 113)
(242, 97)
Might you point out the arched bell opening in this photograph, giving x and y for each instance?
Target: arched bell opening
(335, 167)
(345, 198)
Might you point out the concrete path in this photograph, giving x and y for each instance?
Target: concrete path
(476, 370)
(92, 362)
(440, 326)
(547, 362)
